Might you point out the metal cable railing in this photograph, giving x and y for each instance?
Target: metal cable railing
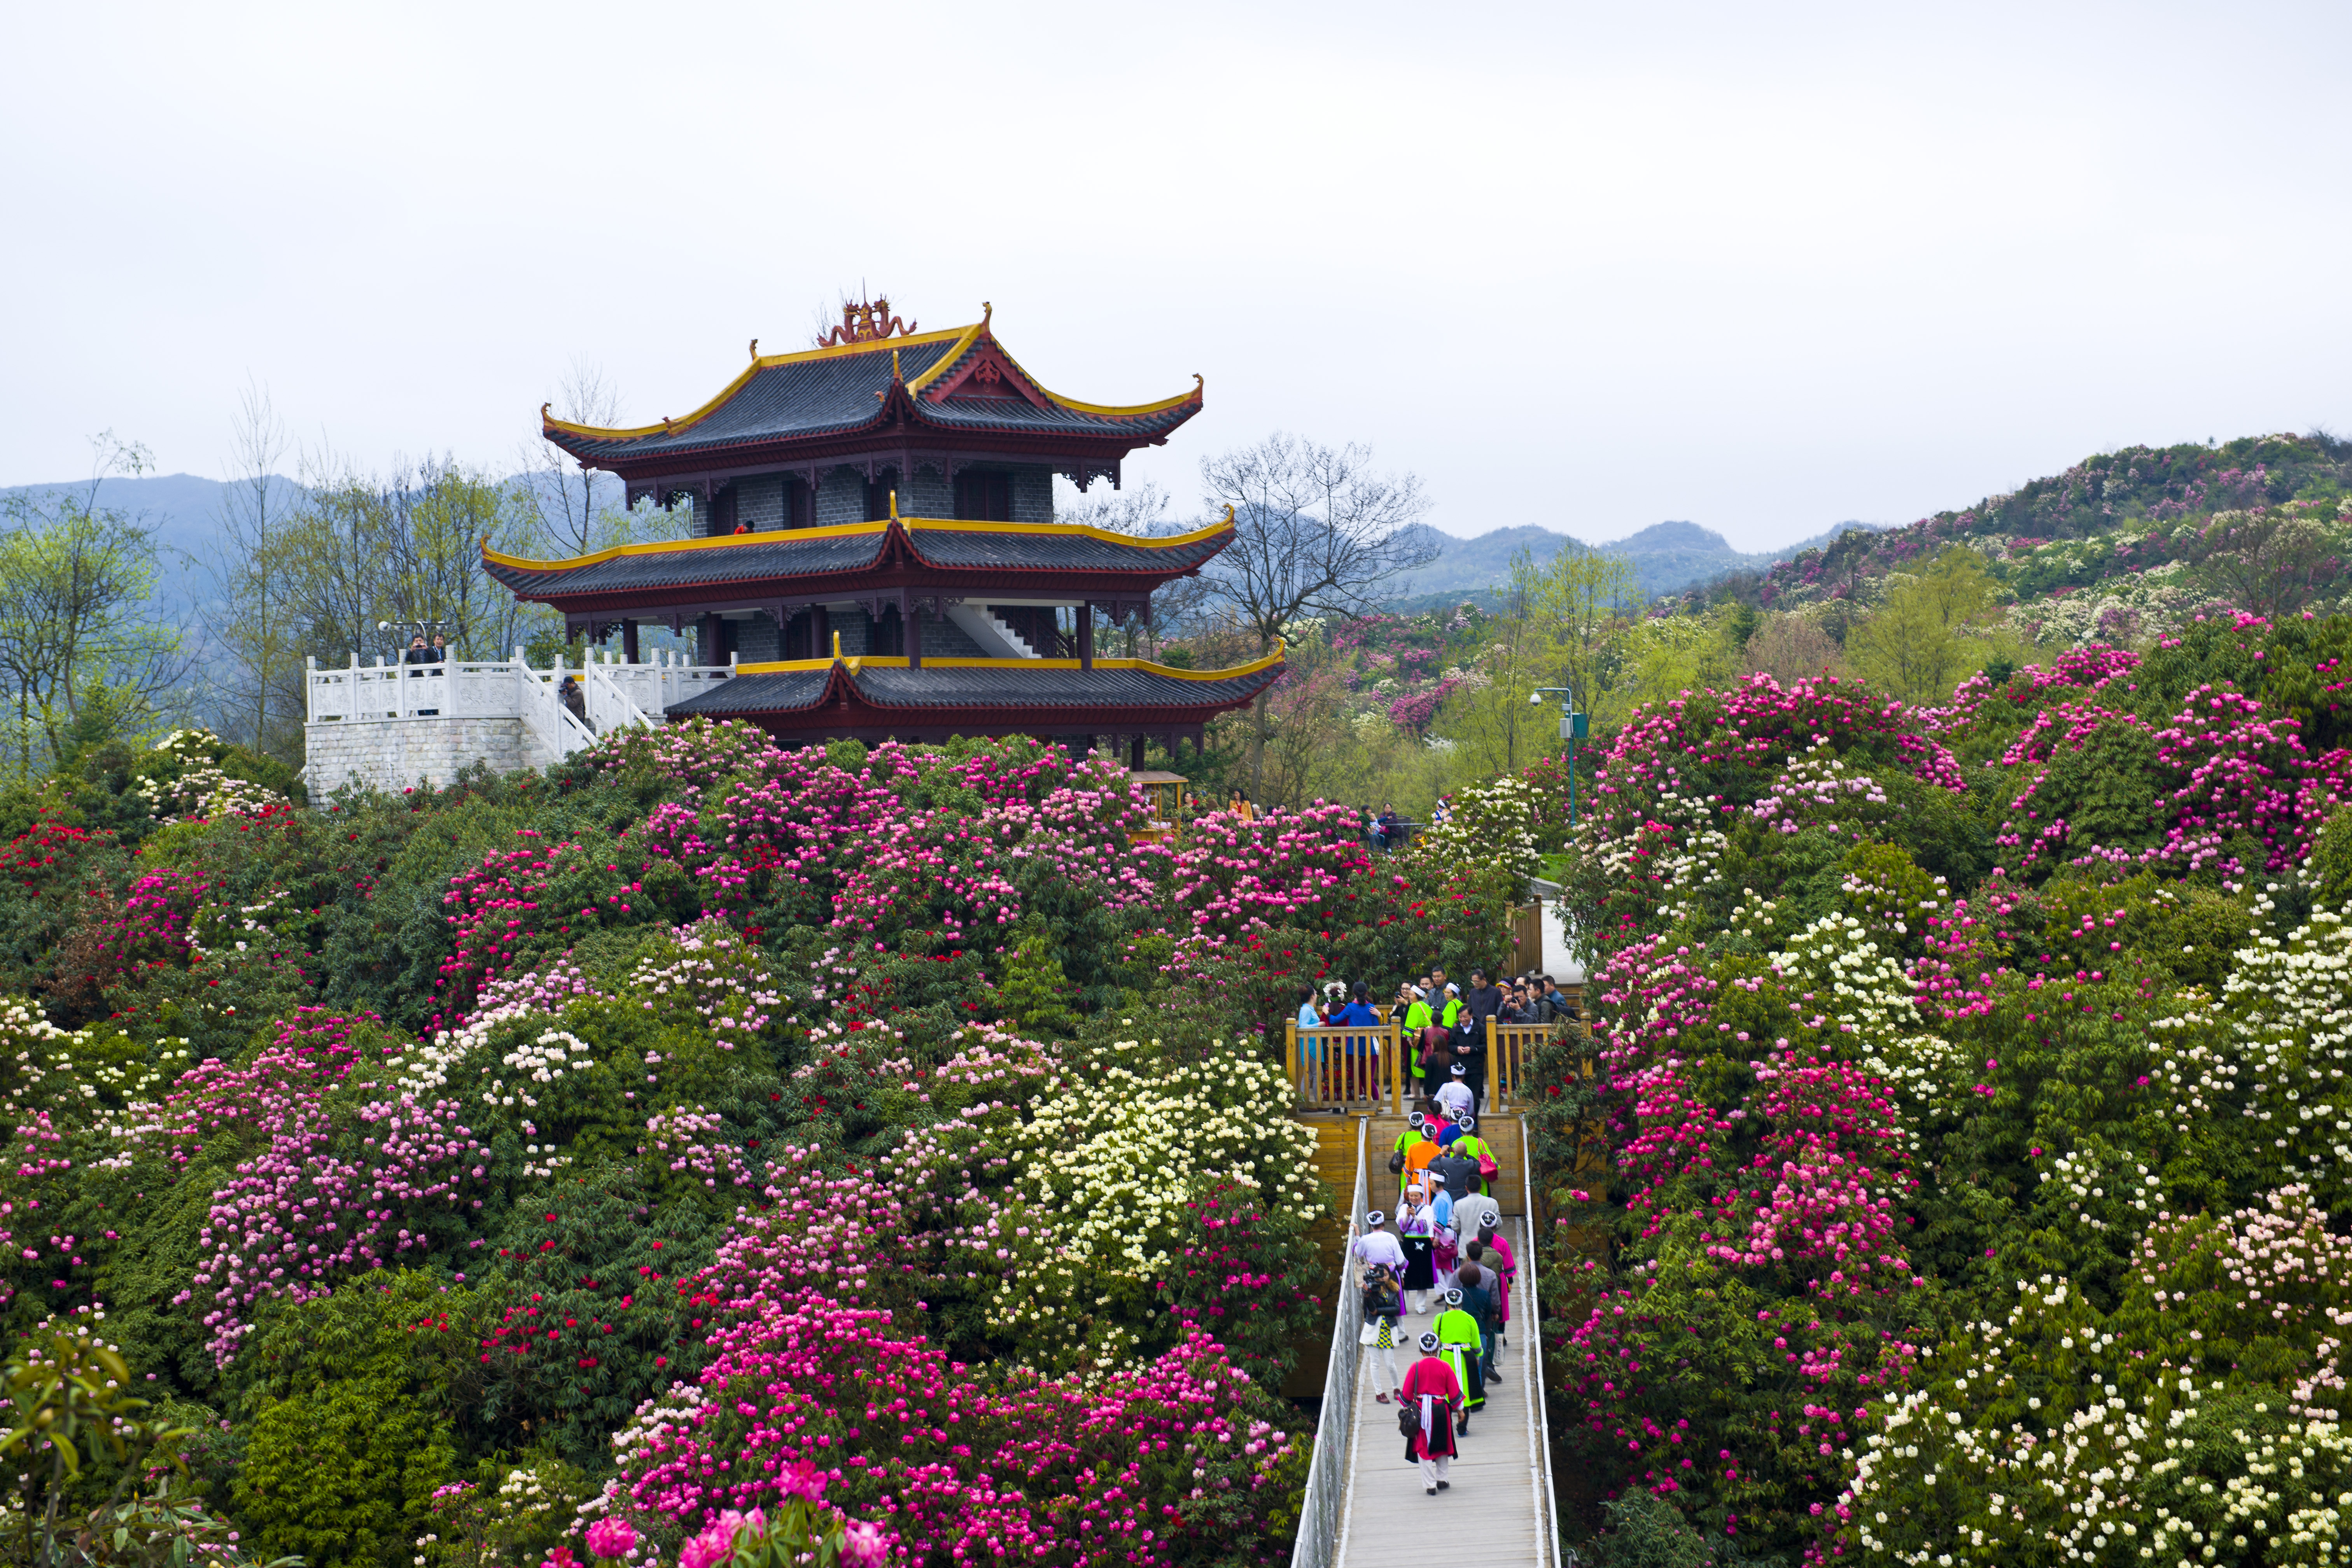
(1547, 1525)
(1328, 1472)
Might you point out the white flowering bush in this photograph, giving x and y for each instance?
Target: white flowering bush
(1492, 823)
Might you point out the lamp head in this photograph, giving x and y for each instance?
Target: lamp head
(1535, 699)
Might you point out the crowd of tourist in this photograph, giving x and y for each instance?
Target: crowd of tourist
(1442, 1028)
(1443, 1257)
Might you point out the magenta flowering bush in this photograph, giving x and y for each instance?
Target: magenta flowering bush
(969, 1460)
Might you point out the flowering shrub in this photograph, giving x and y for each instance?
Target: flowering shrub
(1970, 1085)
(427, 1144)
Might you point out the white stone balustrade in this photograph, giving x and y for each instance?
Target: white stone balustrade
(394, 726)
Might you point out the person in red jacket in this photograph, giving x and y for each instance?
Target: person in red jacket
(1431, 1387)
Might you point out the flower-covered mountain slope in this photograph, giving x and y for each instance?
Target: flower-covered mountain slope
(874, 1139)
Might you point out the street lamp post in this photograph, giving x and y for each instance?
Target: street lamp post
(1573, 727)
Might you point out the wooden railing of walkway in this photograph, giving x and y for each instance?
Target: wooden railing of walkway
(1362, 1069)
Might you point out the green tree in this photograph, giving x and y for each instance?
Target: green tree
(1590, 599)
(352, 1417)
(1492, 720)
(85, 655)
(1916, 645)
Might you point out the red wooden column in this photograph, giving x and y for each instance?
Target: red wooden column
(914, 624)
(629, 641)
(1085, 637)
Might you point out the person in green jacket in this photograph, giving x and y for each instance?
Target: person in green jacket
(1415, 1015)
(1470, 1146)
(1463, 1344)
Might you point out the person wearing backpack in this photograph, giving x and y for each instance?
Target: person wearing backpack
(1480, 1153)
(1478, 1302)
(1419, 1153)
(1429, 1402)
(1381, 1301)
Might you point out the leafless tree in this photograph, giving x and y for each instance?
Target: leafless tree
(1314, 529)
(1142, 510)
(557, 492)
(249, 617)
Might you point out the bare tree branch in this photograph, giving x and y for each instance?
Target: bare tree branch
(1314, 529)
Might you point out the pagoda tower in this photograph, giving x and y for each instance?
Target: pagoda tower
(878, 559)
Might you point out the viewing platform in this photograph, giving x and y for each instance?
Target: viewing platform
(397, 726)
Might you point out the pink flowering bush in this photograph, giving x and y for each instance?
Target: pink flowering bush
(1180, 1452)
(477, 1128)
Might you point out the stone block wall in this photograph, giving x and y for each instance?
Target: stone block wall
(393, 754)
(1033, 493)
(842, 498)
(760, 502)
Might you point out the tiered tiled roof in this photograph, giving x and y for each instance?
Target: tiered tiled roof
(978, 695)
(931, 554)
(955, 387)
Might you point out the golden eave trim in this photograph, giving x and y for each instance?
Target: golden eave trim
(899, 661)
(766, 362)
(961, 341)
(849, 531)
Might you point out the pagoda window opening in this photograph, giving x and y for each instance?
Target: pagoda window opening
(722, 512)
(888, 635)
(878, 494)
(983, 497)
(800, 503)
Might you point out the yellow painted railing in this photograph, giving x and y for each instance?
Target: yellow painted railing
(1350, 1068)
(1510, 1062)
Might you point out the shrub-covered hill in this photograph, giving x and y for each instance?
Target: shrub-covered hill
(2255, 523)
(1974, 1084)
(698, 1126)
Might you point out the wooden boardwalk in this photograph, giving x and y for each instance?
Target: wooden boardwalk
(1494, 1513)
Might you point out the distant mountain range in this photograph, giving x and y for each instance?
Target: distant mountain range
(1665, 557)
(183, 509)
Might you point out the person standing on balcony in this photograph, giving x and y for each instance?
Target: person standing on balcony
(1310, 1051)
(420, 654)
(1362, 1052)
(1411, 1012)
(1432, 1385)
(1480, 1003)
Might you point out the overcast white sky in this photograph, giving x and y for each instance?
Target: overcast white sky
(1765, 268)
